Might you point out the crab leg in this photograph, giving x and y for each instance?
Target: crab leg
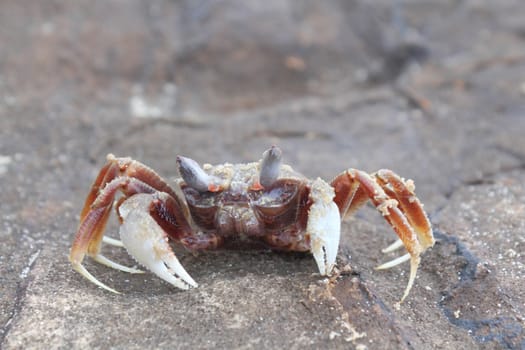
(108, 172)
(119, 174)
(394, 246)
(126, 167)
(87, 241)
(408, 219)
(403, 192)
(91, 229)
(114, 265)
(399, 260)
(112, 241)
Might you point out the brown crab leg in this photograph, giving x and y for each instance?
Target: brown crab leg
(118, 174)
(106, 174)
(349, 195)
(115, 167)
(87, 241)
(91, 229)
(403, 192)
(355, 186)
(123, 167)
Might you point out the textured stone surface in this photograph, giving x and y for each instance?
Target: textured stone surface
(221, 81)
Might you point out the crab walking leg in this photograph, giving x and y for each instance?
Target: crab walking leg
(87, 241)
(91, 228)
(112, 241)
(105, 261)
(394, 246)
(350, 196)
(108, 172)
(392, 214)
(123, 167)
(403, 192)
(399, 260)
(100, 195)
(323, 226)
(147, 242)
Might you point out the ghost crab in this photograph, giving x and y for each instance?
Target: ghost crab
(265, 203)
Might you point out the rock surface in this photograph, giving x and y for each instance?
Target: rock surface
(433, 90)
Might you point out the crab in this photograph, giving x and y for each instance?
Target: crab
(261, 204)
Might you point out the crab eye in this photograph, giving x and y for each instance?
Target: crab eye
(277, 206)
(270, 166)
(194, 176)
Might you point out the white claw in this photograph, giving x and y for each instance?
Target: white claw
(147, 242)
(324, 226)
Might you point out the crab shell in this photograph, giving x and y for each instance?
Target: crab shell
(290, 213)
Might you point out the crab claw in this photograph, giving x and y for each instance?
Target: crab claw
(195, 176)
(324, 226)
(147, 242)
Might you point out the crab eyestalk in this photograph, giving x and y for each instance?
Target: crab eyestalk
(195, 177)
(271, 166)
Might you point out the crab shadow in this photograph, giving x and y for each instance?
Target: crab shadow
(208, 267)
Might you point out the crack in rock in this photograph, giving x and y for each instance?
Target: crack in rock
(507, 331)
(20, 294)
